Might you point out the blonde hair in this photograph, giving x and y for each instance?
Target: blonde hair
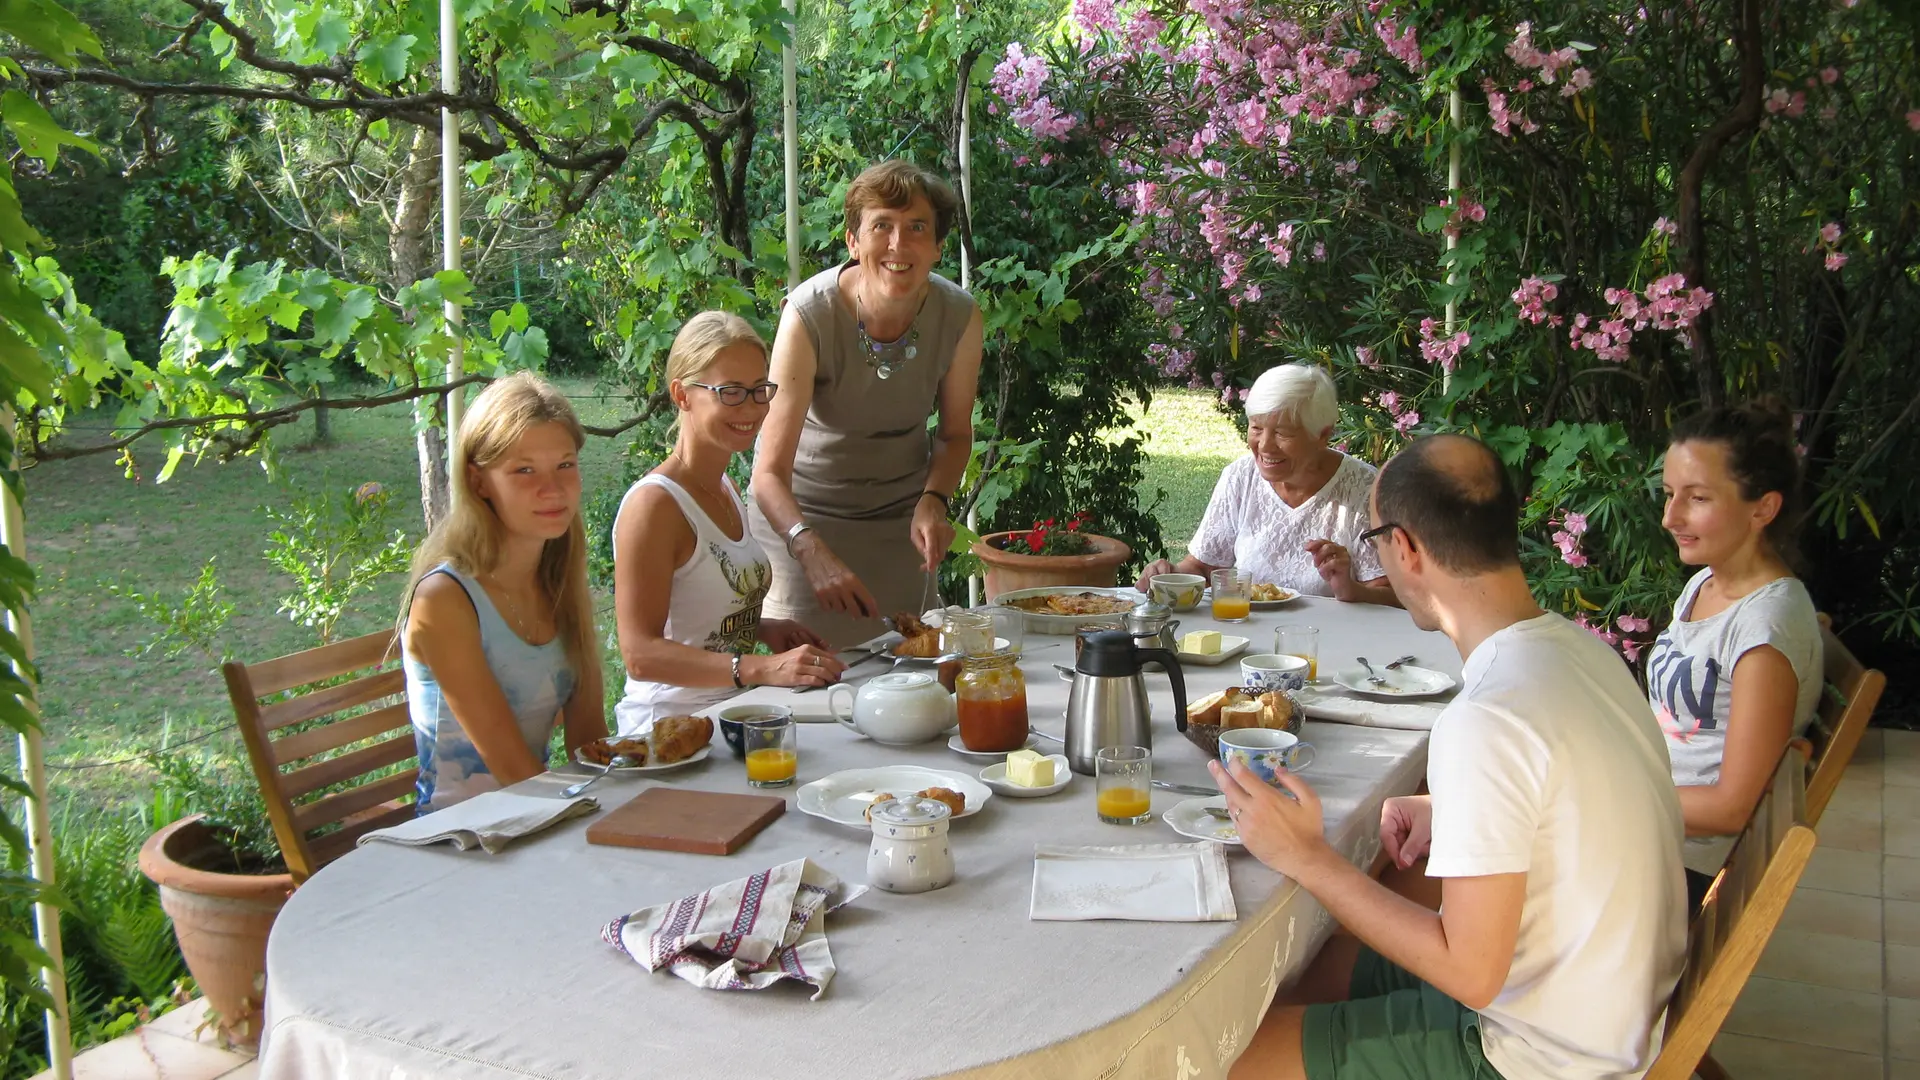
(703, 338)
(469, 539)
(1298, 394)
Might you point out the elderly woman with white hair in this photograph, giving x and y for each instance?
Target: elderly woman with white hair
(1291, 512)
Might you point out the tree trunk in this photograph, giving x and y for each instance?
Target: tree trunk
(408, 248)
(322, 417)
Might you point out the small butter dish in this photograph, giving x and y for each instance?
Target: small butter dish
(995, 777)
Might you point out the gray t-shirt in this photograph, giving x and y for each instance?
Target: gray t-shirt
(1690, 678)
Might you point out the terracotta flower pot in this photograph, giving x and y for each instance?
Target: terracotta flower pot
(220, 919)
(1007, 571)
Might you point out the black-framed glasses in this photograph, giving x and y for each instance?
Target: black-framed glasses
(1374, 534)
(735, 394)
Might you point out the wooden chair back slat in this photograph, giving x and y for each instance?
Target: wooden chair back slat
(313, 665)
(342, 805)
(283, 714)
(1730, 932)
(302, 745)
(335, 844)
(299, 728)
(1846, 705)
(338, 770)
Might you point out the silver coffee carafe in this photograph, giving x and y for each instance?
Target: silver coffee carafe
(1107, 703)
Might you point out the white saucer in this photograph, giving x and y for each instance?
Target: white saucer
(1190, 818)
(1230, 647)
(843, 797)
(697, 755)
(958, 746)
(995, 777)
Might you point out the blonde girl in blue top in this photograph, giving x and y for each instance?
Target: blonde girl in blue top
(498, 624)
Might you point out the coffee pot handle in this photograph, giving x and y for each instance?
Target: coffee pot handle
(1171, 663)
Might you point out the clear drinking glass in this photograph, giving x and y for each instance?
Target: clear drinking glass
(773, 755)
(1232, 595)
(1123, 784)
(1296, 639)
(1009, 626)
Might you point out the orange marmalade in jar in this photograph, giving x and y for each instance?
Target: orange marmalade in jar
(991, 700)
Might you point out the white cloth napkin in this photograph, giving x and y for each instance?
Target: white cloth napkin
(490, 820)
(744, 935)
(1145, 882)
(1407, 715)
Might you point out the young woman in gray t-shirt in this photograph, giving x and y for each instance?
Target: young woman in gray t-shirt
(1737, 672)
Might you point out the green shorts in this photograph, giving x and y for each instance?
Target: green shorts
(1395, 1027)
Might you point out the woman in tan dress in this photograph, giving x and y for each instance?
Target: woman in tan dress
(851, 489)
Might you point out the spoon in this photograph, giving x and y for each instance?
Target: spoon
(1371, 676)
(617, 761)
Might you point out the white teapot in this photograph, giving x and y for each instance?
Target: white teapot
(900, 708)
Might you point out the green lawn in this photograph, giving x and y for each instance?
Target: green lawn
(89, 527)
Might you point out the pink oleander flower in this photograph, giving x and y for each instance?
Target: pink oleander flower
(1663, 225)
(1830, 233)
(1633, 624)
(1913, 119)
(1576, 523)
(1390, 401)
(1401, 44)
(1630, 649)
(1532, 298)
(1438, 350)
(1829, 75)
(1367, 359)
(1776, 100)
(1836, 260)
(1577, 80)
(1094, 16)
(1406, 421)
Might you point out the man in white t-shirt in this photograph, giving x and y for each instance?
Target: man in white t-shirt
(1552, 824)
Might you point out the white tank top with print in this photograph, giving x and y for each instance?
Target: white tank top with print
(715, 606)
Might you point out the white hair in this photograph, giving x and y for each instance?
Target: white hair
(1297, 394)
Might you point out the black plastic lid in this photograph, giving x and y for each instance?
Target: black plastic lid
(1108, 653)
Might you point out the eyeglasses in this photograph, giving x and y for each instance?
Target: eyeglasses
(735, 394)
(1373, 535)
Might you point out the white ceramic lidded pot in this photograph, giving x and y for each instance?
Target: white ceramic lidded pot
(900, 708)
(910, 853)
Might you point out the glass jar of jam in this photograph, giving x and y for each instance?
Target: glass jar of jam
(991, 700)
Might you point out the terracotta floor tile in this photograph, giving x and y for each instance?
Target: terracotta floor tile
(1843, 963)
(1903, 921)
(1903, 1027)
(1903, 971)
(1900, 878)
(1818, 911)
(149, 1055)
(1814, 1015)
(1748, 1058)
(1840, 870)
(189, 1021)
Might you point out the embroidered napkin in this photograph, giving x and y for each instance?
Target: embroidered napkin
(1341, 709)
(744, 935)
(1146, 882)
(490, 820)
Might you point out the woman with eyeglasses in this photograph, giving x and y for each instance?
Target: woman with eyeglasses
(851, 488)
(688, 576)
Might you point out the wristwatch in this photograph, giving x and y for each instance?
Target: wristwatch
(793, 533)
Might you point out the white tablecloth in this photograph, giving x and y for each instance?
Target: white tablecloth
(426, 963)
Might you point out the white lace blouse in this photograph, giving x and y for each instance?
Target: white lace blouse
(1247, 525)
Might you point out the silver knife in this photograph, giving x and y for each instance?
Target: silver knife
(1185, 789)
(871, 654)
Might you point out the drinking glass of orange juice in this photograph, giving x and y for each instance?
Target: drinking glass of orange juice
(772, 756)
(1232, 595)
(1123, 784)
(1295, 639)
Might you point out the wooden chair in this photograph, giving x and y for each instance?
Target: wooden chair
(1846, 703)
(1727, 937)
(276, 752)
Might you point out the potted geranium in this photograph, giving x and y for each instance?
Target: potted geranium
(222, 881)
(1050, 553)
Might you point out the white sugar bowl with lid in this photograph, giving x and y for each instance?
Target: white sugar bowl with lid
(910, 853)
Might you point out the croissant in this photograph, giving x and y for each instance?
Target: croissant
(677, 738)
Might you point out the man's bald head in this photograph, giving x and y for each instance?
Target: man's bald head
(1452, 494)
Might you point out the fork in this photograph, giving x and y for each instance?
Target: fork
(1371, 676)
(1395, 665)
(617, 761)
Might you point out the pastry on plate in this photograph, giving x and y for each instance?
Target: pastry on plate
(885, 796)
(1267, 591)
(677, 738)
(602, 751)
(917, 638)
(955, 801)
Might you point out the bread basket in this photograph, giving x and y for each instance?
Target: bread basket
(1207, 736)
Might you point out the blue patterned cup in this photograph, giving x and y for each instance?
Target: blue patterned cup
(734, 717)
(1272, 671)
(1267, 752)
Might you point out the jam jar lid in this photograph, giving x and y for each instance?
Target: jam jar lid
(911, 811)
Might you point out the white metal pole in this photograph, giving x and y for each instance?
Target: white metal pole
(450, 222)
(966, 266)
(790, 133)
(33, 768)
(1453, 193)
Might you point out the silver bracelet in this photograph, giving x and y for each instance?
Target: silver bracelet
(793, 533)
(738, 685)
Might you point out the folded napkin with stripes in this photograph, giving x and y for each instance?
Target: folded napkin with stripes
(490, 820)
(743, 935)
(1342, 709)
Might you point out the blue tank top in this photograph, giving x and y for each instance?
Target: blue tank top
(537, 680)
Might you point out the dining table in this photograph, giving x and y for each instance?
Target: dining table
(429, 962)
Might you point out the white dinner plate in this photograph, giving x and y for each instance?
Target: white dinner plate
(959, 746)
(1067, 624)
(995, 777)
(1230, 647)
(1405, 681)
(698, 755)
(1190, 818)
(1289, 597)
(843, 797)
